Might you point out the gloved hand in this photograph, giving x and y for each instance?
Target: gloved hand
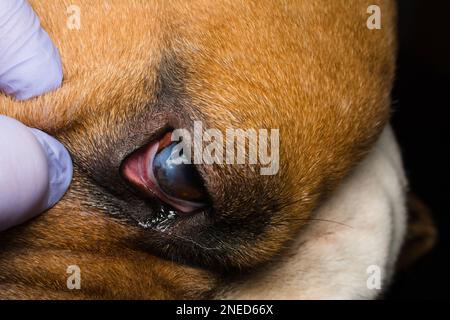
(35, 169)
(29, 62)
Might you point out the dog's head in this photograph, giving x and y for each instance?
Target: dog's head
(138, 70)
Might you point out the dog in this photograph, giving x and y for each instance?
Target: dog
(135, 71)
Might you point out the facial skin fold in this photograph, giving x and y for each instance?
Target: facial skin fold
(279, 78)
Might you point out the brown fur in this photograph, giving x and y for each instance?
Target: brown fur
(310, 68)
(421, 236)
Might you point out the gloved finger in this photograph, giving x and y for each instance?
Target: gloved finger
(35, 172)
(59, 166)
(30, 64)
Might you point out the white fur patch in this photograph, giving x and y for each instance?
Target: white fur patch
(330, 260)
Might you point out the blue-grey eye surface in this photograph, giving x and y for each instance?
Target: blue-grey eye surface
(179, 180)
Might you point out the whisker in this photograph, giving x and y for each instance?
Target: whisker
(322, 220)
(310, 219)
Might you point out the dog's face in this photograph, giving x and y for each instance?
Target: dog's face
(139, 69)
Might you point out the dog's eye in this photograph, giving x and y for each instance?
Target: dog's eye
(157, 170)
(176, 178)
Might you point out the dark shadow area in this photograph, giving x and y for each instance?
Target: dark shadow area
(421, 102)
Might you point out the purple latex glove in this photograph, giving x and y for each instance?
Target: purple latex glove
(30, 64)
(35, 169)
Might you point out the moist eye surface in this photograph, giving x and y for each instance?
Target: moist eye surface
(155, 171)
(176, 179)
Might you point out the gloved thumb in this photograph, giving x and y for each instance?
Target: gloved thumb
(35, 172)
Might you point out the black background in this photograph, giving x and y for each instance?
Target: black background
(421, 101)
